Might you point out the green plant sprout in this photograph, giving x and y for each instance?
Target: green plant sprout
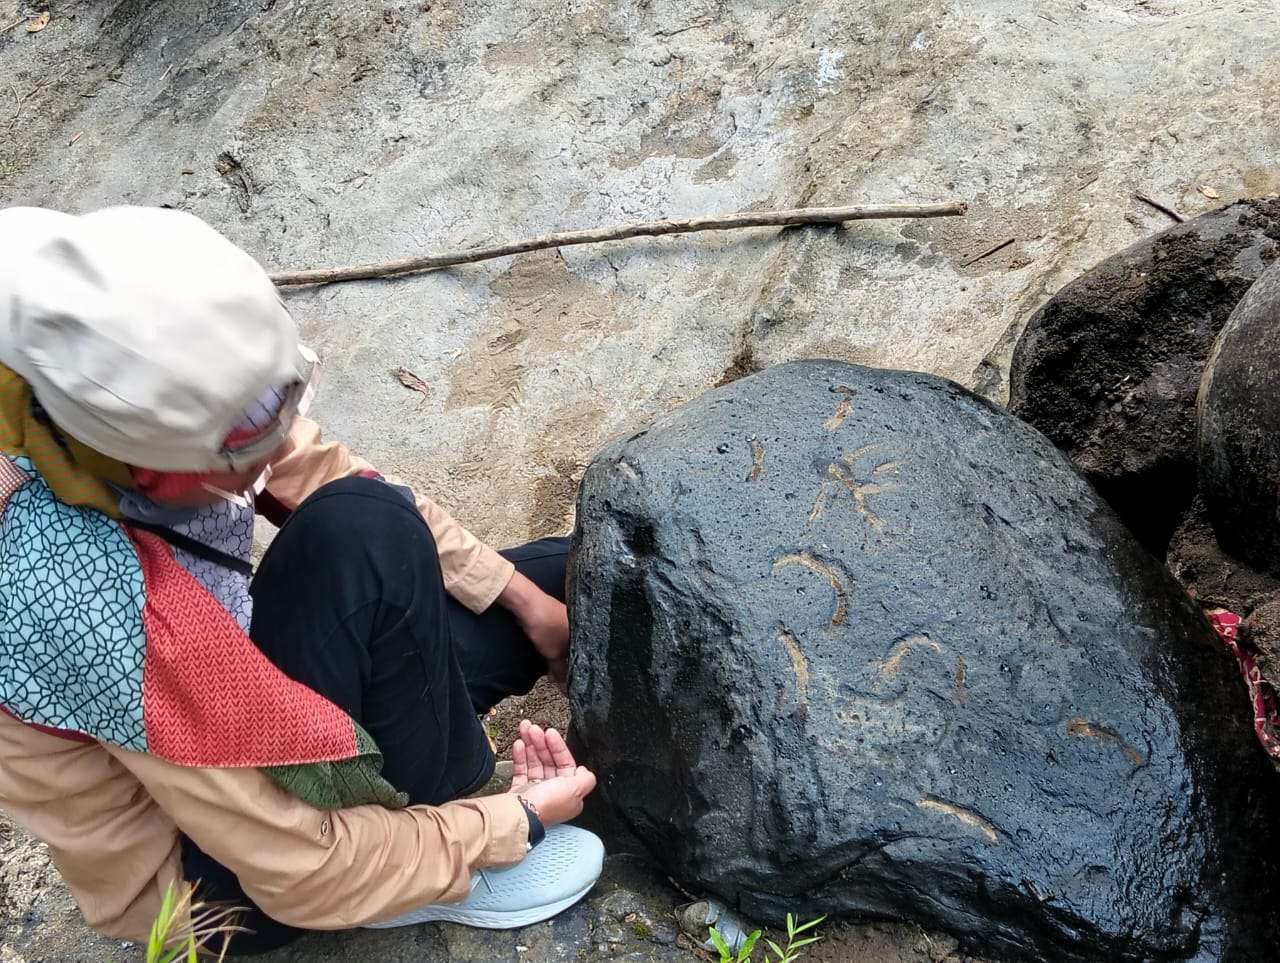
(183, 928)
(795, 942)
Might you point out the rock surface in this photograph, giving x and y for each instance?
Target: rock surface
(319, 132)
(1110, 366)
(1210, 575)
(856, 641)
(1262, 631)
(1240, 428)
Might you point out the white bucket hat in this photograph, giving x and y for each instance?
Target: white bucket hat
(145, 334)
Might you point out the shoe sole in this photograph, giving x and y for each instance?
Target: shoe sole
(484, 919)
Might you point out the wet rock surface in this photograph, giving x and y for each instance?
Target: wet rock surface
(1109, 367)
(858, 642)
(1240, 429)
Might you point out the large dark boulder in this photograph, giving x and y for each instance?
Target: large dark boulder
(1240, 428)
(1108, 368)
(858, 642)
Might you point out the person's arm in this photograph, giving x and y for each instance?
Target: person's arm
(474, 573)
(332, 869)
(111, 820)
(114, 848)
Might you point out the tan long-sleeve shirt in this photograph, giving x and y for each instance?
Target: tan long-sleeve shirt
(112, 819)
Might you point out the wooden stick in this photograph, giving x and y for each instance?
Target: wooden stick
(989, 251)
(720, 222)
(31, 93)
(1163, 209)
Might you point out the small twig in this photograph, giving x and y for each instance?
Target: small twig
(1163, 209)
(989, 251)
(12, 25)
(21, 101)
(75, 138)
(719, 222)
(166, 73)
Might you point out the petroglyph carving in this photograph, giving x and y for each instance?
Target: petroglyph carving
(859, 483)
(757, 459)
(799, 664)
(1100, 733)
(966, 816)
(899, 652)
(818, 567)
(842, 410)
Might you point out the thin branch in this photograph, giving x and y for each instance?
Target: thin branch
(989, 251)
(719, 222)
(1162, 208)
(29, 94)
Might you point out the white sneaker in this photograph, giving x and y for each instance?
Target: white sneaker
(557, 873)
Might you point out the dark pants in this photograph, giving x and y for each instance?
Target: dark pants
(350, 601)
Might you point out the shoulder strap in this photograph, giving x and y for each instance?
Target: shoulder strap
(197, 548)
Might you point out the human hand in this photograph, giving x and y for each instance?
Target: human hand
(544, 620)
(537, 756)
(559, 799)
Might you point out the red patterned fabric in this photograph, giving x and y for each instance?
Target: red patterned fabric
(209, 696)
(1262, 698)
(11, 479)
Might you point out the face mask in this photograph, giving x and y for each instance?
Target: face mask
(241, 499)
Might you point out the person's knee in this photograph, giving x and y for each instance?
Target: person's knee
(364, 515)
(544, 562)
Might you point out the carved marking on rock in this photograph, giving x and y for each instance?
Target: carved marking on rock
(899, 652)
(844, 472)
(757, 459)
(818, 567)
(966, 816)
(799, 664)
(842, 410)
(1100, 733)
(819, 504)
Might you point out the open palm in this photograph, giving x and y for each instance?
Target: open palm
(539, 755)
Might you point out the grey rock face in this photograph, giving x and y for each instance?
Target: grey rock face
(858, 642)
(1109, 367)
(1240, 428)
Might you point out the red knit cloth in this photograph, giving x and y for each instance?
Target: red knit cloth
(209, 696)
(1262, 698)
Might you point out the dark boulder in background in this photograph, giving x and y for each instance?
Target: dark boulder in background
(857, 642)
(1239, 429)
(1109, 367)
(1211, 576)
